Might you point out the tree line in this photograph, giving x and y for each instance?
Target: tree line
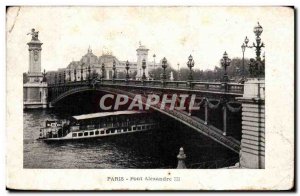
(234, 72)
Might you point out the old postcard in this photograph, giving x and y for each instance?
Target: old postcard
(150, 98)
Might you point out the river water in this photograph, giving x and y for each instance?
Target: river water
(152, 149)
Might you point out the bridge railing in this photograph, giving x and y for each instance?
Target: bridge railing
(191, 85)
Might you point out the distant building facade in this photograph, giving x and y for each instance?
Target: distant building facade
(79, 70)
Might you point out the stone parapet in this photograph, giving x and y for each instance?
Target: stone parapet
(252, 153)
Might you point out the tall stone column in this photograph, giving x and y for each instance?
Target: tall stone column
(252, 153)
(36, 87)
(35, 48)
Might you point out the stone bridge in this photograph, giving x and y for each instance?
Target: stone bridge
(221, 93)
(213, 90)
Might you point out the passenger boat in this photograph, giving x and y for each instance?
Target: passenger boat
(96, 125)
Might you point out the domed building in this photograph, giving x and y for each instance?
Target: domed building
(89, 58)
(91, 64)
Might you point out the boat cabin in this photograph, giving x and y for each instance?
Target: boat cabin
(102, 123)
(109, 119)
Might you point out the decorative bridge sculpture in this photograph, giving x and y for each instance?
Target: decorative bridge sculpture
(206, 90)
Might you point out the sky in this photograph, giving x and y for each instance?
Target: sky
(171, 32)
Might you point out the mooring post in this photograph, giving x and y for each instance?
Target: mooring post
(181, 157)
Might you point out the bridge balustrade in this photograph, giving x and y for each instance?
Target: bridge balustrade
(206, 86)
(57, 89)
(193, 85)
(236, 88)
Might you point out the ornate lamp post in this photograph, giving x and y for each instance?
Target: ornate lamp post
(178, 74)
(44, 76)
(75, 78)
(256, 68)
(55, 78)
(259, 44)
(127, 68)
(59, 78)
(114, 69)
(89, 70)
(50, 76)
(243, 65)
(81, 72)
(69, 74)
(225, 62)
(103, 70)
(140, 71)
(63, 76)
(154, 76)
(190, 65)
(215, 74)
(264, 58)
(164, 66)
(144, 67)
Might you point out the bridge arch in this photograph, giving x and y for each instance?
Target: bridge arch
(75, 91)
(198, 125)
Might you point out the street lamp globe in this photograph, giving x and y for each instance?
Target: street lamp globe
(190, 65)
(114, 64)
(114, 69)
(127, 68)
(164, 66)
(127, 65)
(225, 55)
(243, 47)
(246, 40)
(258, 30)
(225, 62)
(190, 62)
(164, 63)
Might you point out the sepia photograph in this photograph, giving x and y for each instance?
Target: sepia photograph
(151, 89)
